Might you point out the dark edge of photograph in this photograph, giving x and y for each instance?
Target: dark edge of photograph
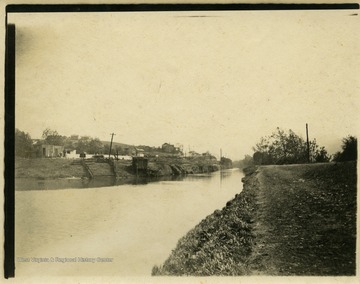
(9, 191)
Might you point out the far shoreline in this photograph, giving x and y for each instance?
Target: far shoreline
(60, 173)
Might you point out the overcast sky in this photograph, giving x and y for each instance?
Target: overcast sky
(207, 80)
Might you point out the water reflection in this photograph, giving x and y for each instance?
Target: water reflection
(106, 181)
(136, 224)
(225, 173)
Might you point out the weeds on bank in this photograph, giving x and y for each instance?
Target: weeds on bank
(219, 245)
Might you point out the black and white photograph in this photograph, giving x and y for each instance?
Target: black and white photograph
(156, 143)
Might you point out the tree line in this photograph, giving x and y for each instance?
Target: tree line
(286, 147)
(25, 146)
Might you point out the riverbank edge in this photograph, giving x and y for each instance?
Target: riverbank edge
(221, 244)
(52, 169)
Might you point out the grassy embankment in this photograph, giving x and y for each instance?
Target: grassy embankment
(288, 220)
(163, 166)
(66, 168)
(48, 168)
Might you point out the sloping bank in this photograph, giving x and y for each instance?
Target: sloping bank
(60, 168)
(173, 168)
(221, 243)
(288, 220)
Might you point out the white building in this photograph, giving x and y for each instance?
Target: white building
(71, 154)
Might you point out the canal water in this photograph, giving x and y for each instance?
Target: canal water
(118, 230)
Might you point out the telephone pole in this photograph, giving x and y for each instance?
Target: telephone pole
(112, 136)
(307, 143)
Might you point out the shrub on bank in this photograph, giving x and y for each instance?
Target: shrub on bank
(349, 150)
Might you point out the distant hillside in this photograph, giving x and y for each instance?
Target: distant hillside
(122, 145)
(117, 144)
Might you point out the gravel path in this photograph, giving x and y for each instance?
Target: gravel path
(305, 224)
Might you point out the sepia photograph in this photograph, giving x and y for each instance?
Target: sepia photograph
(185, 142)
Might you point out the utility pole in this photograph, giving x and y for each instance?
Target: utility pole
(112, 135)
(307, 143)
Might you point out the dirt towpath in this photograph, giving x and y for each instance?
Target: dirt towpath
(306, 220)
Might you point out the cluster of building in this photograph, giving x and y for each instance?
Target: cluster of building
(45, 150)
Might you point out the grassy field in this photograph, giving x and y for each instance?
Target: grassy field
(289, 220)
(47, 168)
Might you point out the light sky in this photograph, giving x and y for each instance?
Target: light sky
(207, 80)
